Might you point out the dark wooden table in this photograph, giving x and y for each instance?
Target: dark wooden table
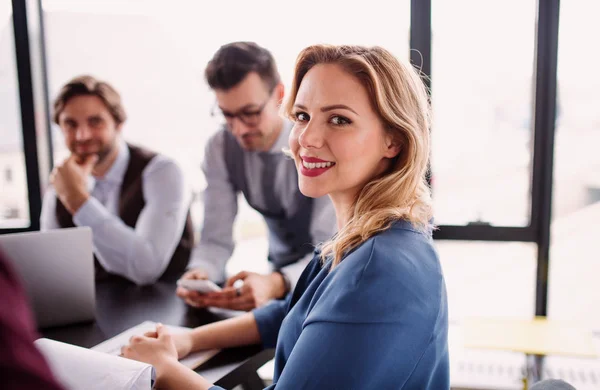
(121, 305)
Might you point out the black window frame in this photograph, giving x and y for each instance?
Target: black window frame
(544, 114)
(28, 127)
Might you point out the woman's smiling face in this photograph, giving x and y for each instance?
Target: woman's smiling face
(338, 141)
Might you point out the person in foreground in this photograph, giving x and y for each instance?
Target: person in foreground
(22, 365)
(370, 309)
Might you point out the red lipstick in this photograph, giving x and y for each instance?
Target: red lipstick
(312, 170)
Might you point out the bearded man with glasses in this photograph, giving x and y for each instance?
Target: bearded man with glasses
(246, 156)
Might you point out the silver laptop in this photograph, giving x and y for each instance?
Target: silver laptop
(57, 270)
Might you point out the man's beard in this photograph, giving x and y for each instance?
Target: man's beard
(102, 153)
(253, 141)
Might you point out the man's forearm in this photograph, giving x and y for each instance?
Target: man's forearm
(74, 201)
(120, 249)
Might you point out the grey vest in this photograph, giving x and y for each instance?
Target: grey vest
(289, 229)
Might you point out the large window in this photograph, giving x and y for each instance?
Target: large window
(489, 279)
(155, 52)
(14, 205)
(482, 67)
(482, 149)
(574, 265)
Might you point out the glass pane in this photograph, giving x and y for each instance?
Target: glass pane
(489, 279)
(574, 265)
(14, 201)
(38, 76)
(155, 52)
(482, 99)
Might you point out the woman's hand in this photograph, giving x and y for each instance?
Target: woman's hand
(157, 349)
(183, 342)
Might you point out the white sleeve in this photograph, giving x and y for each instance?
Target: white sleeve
(141, 254)
(48, 218)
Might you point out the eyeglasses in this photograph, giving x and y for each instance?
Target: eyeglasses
(249, 117)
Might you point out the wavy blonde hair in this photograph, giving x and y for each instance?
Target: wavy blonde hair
(400, 98)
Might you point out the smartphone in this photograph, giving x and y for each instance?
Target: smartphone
(202, 286)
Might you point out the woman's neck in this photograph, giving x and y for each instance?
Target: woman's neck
(343, 208)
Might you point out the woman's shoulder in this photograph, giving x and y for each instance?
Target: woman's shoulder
(400, 252)
(405, 250)
(392, 273)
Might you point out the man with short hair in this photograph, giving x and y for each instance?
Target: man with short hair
(135, 201)
(246, 156)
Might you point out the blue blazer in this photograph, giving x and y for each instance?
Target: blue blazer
(379, 320)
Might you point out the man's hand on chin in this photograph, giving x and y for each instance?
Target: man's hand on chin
(70, 181)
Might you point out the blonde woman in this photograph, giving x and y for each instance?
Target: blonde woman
(370, 310)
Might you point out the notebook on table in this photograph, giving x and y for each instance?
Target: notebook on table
(101, 367)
